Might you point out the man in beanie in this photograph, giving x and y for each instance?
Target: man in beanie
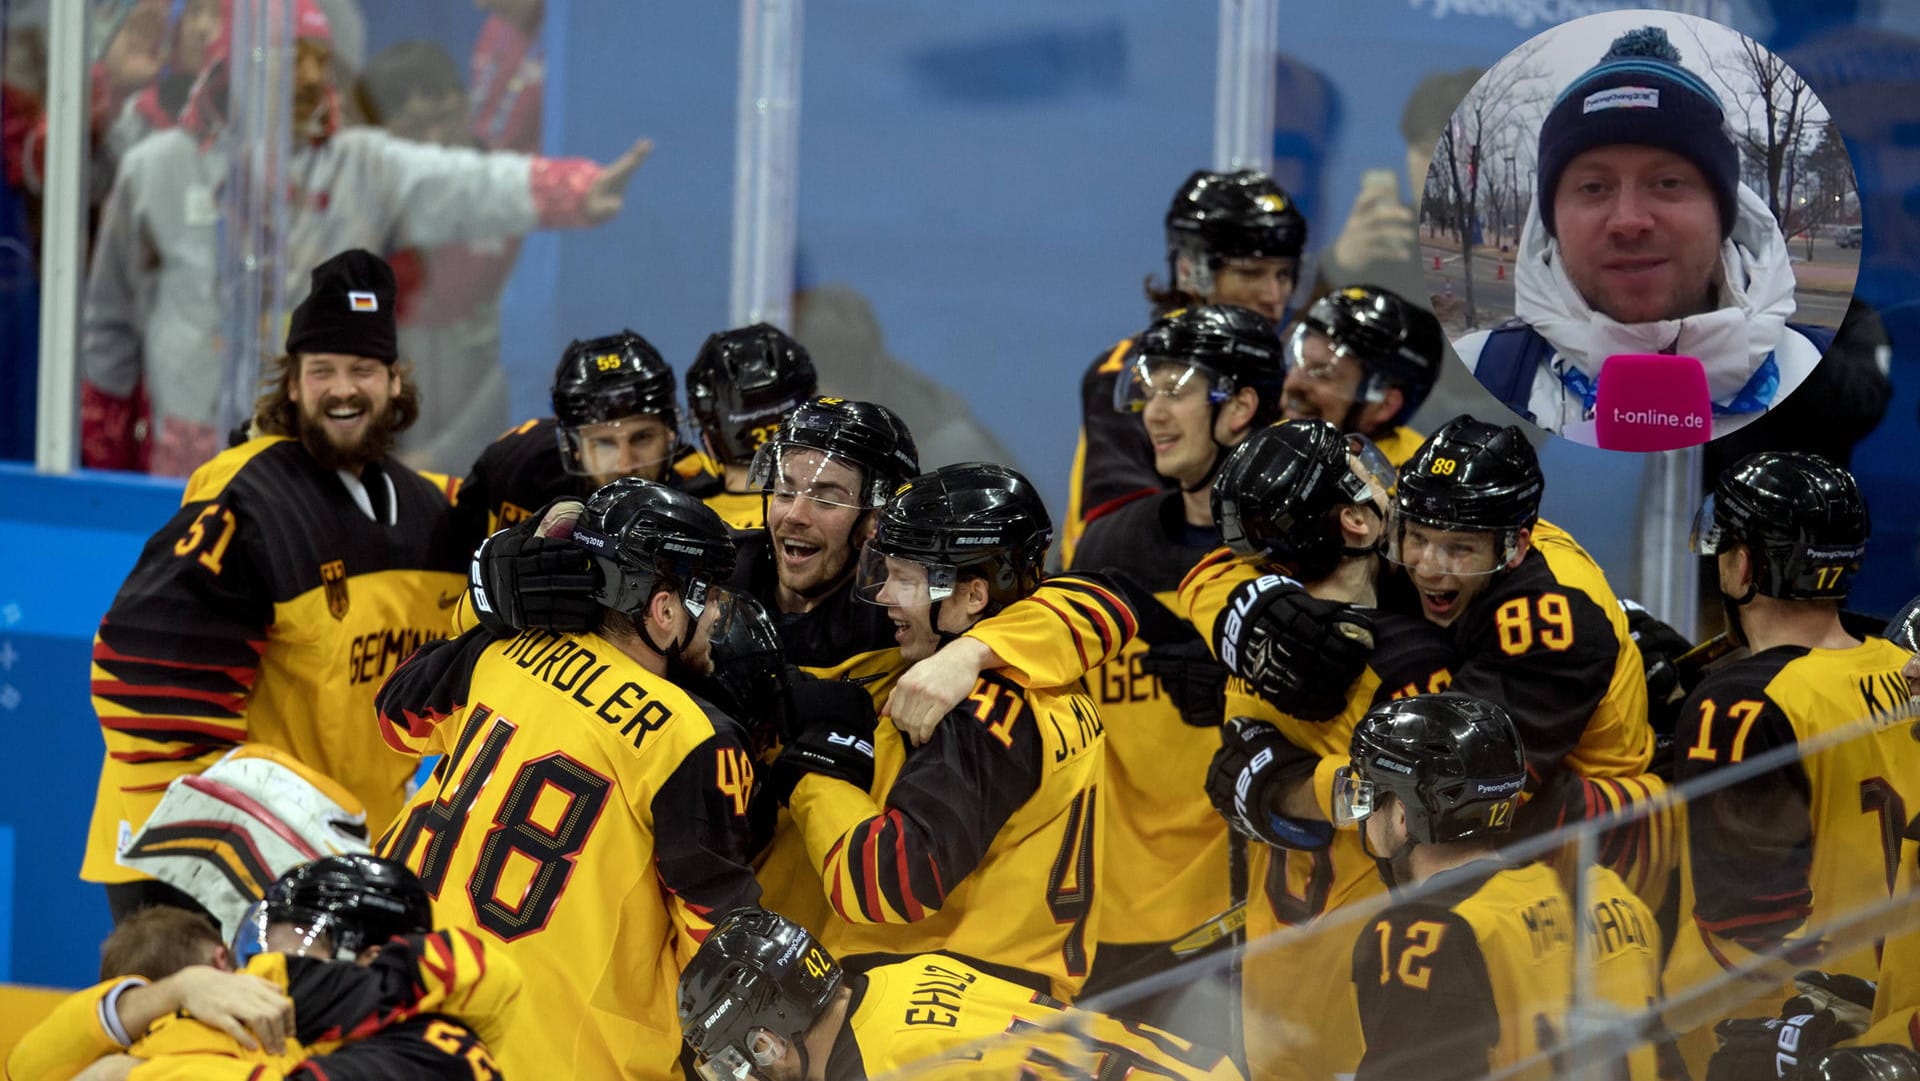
(302, 567)
(151, 355)
(1642, 239)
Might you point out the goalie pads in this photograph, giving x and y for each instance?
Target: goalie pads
(224, 835)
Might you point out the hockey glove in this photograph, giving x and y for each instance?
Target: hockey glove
(1751, 1048)
(1850, 999)
(1246, 776)
(521, 582)
(1297, 652)
(1193, 680)
(833, 727)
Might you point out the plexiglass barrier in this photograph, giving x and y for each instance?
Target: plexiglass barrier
(1593, 950)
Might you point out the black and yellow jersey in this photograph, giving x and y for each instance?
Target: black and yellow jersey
(1063, 630)
(1293, 1027)
(1167, 850)
(1113, 459)
(1474, 977)
(1548, 640)
(1620, 944)
(586, 809)
(740, 510)
(427, 1006)
(513, 479)
(268, 609)
(984, 841)
(1896, 1004)
(524, 469)
(937, 1016)
(1781, 860)
(1399, 443)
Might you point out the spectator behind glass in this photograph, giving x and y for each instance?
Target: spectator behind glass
(157, 106)
(449, 306)
(153, 307)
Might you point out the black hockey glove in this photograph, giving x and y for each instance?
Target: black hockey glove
(1247, 772)
(1850, 999)
(1195, 683)
(521, 582)
(1296, 651)
(833, 727)
(1751, 1048)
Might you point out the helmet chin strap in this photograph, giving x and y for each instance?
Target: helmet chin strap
(1219, 454)
(1732, 605)
(672, 650)
(1348, 551)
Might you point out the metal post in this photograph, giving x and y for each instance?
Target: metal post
(766, 163)
(1669, 573)
(253, 275)
(1244, 85)
(63, 238)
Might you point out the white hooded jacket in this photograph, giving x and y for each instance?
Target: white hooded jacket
(1732, 341)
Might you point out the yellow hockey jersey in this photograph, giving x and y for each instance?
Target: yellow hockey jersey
(984, 842)
(586, 809)
(936, 1016)
(1168, 863)
(1778, 862)
(427, 1007)
(1473, 977)
(268, 609)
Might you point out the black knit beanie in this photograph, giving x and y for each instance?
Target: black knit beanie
(349, 309)
(1639, 94)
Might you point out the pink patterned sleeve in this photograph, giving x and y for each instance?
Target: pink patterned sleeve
(560, 190)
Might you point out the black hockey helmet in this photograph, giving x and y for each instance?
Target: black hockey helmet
(754, 987)
(1396, 343)
(644, 537)
(1215, 217)
(602, 380)
(1223, 348)
(1469, 477)
(355, 900)
(742, 384)
(1874, 1062)
(1454, 760)
(1276, 495)
(866, 435)
(1800, 515)
(750, 668)
(967, 520)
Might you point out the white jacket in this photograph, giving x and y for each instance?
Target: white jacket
(1732, 341)
(152, 305)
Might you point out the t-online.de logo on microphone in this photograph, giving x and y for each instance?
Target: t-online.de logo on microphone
(1654, 418)
(1652, 402)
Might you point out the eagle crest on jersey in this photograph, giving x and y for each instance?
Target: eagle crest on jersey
(333, 576)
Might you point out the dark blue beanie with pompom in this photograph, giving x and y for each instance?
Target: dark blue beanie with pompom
(1640, 94)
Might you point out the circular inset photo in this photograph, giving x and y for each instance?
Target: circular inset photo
(1641, 230)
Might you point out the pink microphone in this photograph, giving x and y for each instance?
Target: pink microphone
(1652, 401)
